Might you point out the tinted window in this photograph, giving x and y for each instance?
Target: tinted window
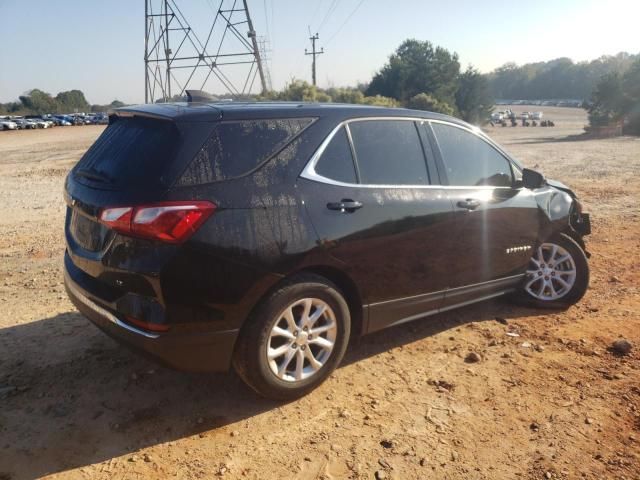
(389, 152)
(130, 151)
(235, 148)
(469, 160)
(336, 161)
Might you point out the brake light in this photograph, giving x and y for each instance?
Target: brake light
(170, 222)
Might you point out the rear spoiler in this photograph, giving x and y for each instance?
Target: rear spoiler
(173, 112)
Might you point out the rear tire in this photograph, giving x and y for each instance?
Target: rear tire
(557, 276)
(295, 338)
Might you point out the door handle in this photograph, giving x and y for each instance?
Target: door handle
(345, 205)
(469, 204)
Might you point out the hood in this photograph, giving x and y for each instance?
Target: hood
(561, 186)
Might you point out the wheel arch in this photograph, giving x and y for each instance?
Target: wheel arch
(345, 284)
(348, 288)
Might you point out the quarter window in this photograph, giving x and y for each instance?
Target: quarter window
(237, 147)
(389, 152)
(336, 161)
(469, 160)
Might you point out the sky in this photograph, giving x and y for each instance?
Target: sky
(98, 46)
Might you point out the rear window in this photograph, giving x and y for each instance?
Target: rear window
(129, 152)
(237, 147)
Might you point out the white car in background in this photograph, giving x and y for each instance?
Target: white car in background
(536, 116)
(6, 124)
(30, 123)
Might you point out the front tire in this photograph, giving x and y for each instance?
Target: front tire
(295, 339)
(558, 274)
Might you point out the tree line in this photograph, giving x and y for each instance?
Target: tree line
(556, 79)
(423, 76)
(37, 102)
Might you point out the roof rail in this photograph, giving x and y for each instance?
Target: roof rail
(200, 96)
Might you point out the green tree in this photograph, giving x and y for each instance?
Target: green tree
(39, 102)
(631, 92)
(72, 101)
(473, 101)
(607, 101)
(417, 67)
(424, 101)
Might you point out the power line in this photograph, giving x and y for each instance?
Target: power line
(330, 10)
(345, 22)
(266, 19)
(315, 12)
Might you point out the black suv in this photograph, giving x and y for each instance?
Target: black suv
(265, 235)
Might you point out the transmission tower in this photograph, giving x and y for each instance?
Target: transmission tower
(176, 59)
(315, 53)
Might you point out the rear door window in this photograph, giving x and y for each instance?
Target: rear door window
(469, 160)
(129, 152)
(336, 162)
(389, 152)
(237, 147)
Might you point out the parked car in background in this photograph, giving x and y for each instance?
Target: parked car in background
(6, 124)
(21, 123)
(54, 121)
(39, 121)
(265, 235)
(30, 124)
(64, 120)
(536, 115)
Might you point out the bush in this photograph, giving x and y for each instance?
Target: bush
(424, 101)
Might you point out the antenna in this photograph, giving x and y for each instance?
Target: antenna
(228, 60)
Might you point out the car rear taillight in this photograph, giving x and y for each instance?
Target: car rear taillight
(170, 222)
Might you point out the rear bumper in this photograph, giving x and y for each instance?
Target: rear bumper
(190, 351)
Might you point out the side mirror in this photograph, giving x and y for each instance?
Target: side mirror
(532, 179)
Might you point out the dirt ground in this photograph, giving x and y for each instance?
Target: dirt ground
(552, 402)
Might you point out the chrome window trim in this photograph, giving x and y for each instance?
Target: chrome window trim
(309, 171)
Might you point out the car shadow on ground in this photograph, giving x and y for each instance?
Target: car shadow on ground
(79, 398)
(569, 138)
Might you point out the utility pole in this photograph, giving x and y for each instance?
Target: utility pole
(315, 53)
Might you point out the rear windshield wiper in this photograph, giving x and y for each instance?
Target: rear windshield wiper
(93, 175)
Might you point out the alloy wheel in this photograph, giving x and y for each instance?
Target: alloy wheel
(301, 339)
(551, 274)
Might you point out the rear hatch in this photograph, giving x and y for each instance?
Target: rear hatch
(135, 160)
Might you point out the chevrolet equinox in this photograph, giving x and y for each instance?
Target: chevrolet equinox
(266, 235)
